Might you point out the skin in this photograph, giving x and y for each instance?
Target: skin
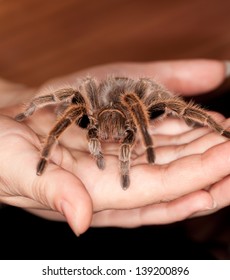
(190, 177)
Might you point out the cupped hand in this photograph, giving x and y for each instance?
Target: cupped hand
(189, 177)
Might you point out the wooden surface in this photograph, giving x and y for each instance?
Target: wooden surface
(41, 39)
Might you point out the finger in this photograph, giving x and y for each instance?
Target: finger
(220, 194)
(191, 76)
(170, 147)
(168, 126)
(197, 171)
(161, 140)
(162, 213)
(152, 183)
(183, 76)
(176, 126)
(165, 154)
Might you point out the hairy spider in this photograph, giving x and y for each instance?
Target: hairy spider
(115, 109)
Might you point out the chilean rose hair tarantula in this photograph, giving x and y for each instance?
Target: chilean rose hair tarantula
(115, 109)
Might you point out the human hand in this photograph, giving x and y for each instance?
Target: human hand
(170, 183)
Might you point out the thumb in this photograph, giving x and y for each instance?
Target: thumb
(57, 189)
(63, 192)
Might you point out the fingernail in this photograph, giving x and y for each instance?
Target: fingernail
(204, 211)
(224, 86)
(69, 214)
(212, 206)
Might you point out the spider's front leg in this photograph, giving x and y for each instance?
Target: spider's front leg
(95, 145)
(141, 119)
(124, 156)
(73, 114)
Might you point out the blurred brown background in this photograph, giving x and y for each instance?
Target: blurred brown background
(40, 39)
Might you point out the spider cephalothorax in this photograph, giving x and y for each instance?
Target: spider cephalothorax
(115, 109)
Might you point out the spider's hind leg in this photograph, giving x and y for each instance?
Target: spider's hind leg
(44, 100)
(198, 116)
(192, 114)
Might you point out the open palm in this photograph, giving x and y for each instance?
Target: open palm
(188, 162)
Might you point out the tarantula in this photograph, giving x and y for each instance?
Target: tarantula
(115, 109)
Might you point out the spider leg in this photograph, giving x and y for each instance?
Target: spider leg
(72, 114)
(124, 157)
(195, 114)
(192, 114)
(141, 119)
(44, 100)
(95, 145)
